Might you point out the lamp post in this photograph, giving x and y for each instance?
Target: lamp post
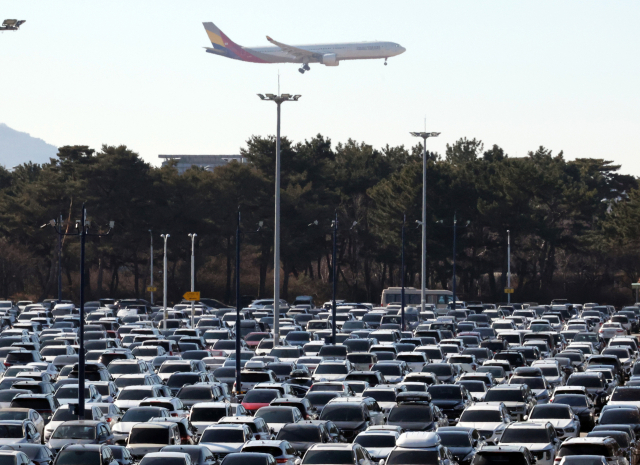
(404, 220)
(278, 99)
(453, 285)
(82, 231)
(164, 284)
(423, 278)
(151, 266)
(193, 275)
(509, 266)
(238, 350)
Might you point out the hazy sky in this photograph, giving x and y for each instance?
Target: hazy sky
(519, 74)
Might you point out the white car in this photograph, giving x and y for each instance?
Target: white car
(132, 417)
(131, 396)
(610, 330)
(204, 414)
(489, 419)
(539, 437)
(378, 443)
(625, 395)
(68, 394)
(225, 439)
(565, 422)
(64, 413)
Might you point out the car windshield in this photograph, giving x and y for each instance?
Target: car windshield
(414, 413)
(78, 457)
(74, 432)
(549, 370)
(620, 416)
(331, 369)
(532, 382)
(260, 396)
(319, 398)
(141, 414)
(180, 379)
(475, 416)
(223, 435)
(71, 392)
(15, 415)
(412, 457)
(504, 395)
(500, 458)
(207, 414)
(381, 395)
(145, 435)
(328, 457)
(174, 367)
(551, 412)
(276, 415)
(196, 393)
(11, 431)
(65, 414)
(388, 369)
(298, 433)
(285, 352)
(162, 461)
(342, 412)
(438, 369)
(628, 395)
(135, 394)
(516, 435)
(583, 449)
(586, 381)
(455, 438)
(376, 440)
(444, 392)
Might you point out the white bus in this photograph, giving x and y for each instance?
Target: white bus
(438, 297)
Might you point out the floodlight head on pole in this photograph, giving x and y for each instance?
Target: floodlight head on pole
(425, 135)
(280, 98)
(12, 24)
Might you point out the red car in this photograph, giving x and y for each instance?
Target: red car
(253, 339)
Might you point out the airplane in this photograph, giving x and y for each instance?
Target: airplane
(326, 54)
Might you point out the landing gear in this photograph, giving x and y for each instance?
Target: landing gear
(301, 70)
(385, 61)
(305, 67)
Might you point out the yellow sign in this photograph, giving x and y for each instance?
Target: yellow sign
(151, 289)
(191, 296)
(508, 291)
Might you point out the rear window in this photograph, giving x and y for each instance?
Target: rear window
(499, 458)
(36, 404)
(584, 449)
(149, 436)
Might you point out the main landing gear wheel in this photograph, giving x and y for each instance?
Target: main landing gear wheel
(301, 70)
(306, 67)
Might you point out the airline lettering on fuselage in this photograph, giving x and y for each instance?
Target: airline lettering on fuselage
(370, 47)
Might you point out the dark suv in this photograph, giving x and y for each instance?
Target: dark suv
(44, 404)
(517, 398)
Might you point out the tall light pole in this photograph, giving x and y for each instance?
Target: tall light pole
(509, 266)
(423, 278)
(193, 274)
(151, 266)
(164, 284)
(404, 220)
(82, 228)
(455, 224)
(279, 99)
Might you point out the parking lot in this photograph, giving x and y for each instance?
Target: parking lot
(473, 384)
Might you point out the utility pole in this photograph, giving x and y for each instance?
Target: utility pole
(151, 266)
(193, 275)
(334, 280)
(278, 99)
(509, 266)
(423, 278)
(60, 261)
(455, 222)
(164, 284)
(238, 350)
(402, 273)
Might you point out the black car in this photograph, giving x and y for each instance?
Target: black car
(304, 434)
(39, 454)
(122, 455)
(350, 417)
(452, 399)
(625, 415)
(416, 414)
(499, 455)
(86, 454)
(462, 442)
(200, 455)
(582, 406)
(446, 372)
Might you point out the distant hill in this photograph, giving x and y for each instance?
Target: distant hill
(19, 147)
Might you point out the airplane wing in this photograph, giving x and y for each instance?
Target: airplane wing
(295, 51)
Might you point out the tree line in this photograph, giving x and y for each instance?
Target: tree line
(574, 224)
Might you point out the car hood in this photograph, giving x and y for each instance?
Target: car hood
(563, 423)
(347, 425)
(481, 425)
(124, 427)
(4, 441)
(380, 453)
(413, 425)
(340, 377)
(223, 448)
(443, 403)
(127, 404)
(532, 446)
(58, 443)
(139, 450)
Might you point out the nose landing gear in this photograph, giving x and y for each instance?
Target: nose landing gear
(385, 61)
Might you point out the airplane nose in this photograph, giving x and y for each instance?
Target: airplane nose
(402, 49)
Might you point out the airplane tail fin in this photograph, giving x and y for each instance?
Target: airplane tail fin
(224, 46)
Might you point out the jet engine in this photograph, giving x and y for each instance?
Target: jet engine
(330, 59)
